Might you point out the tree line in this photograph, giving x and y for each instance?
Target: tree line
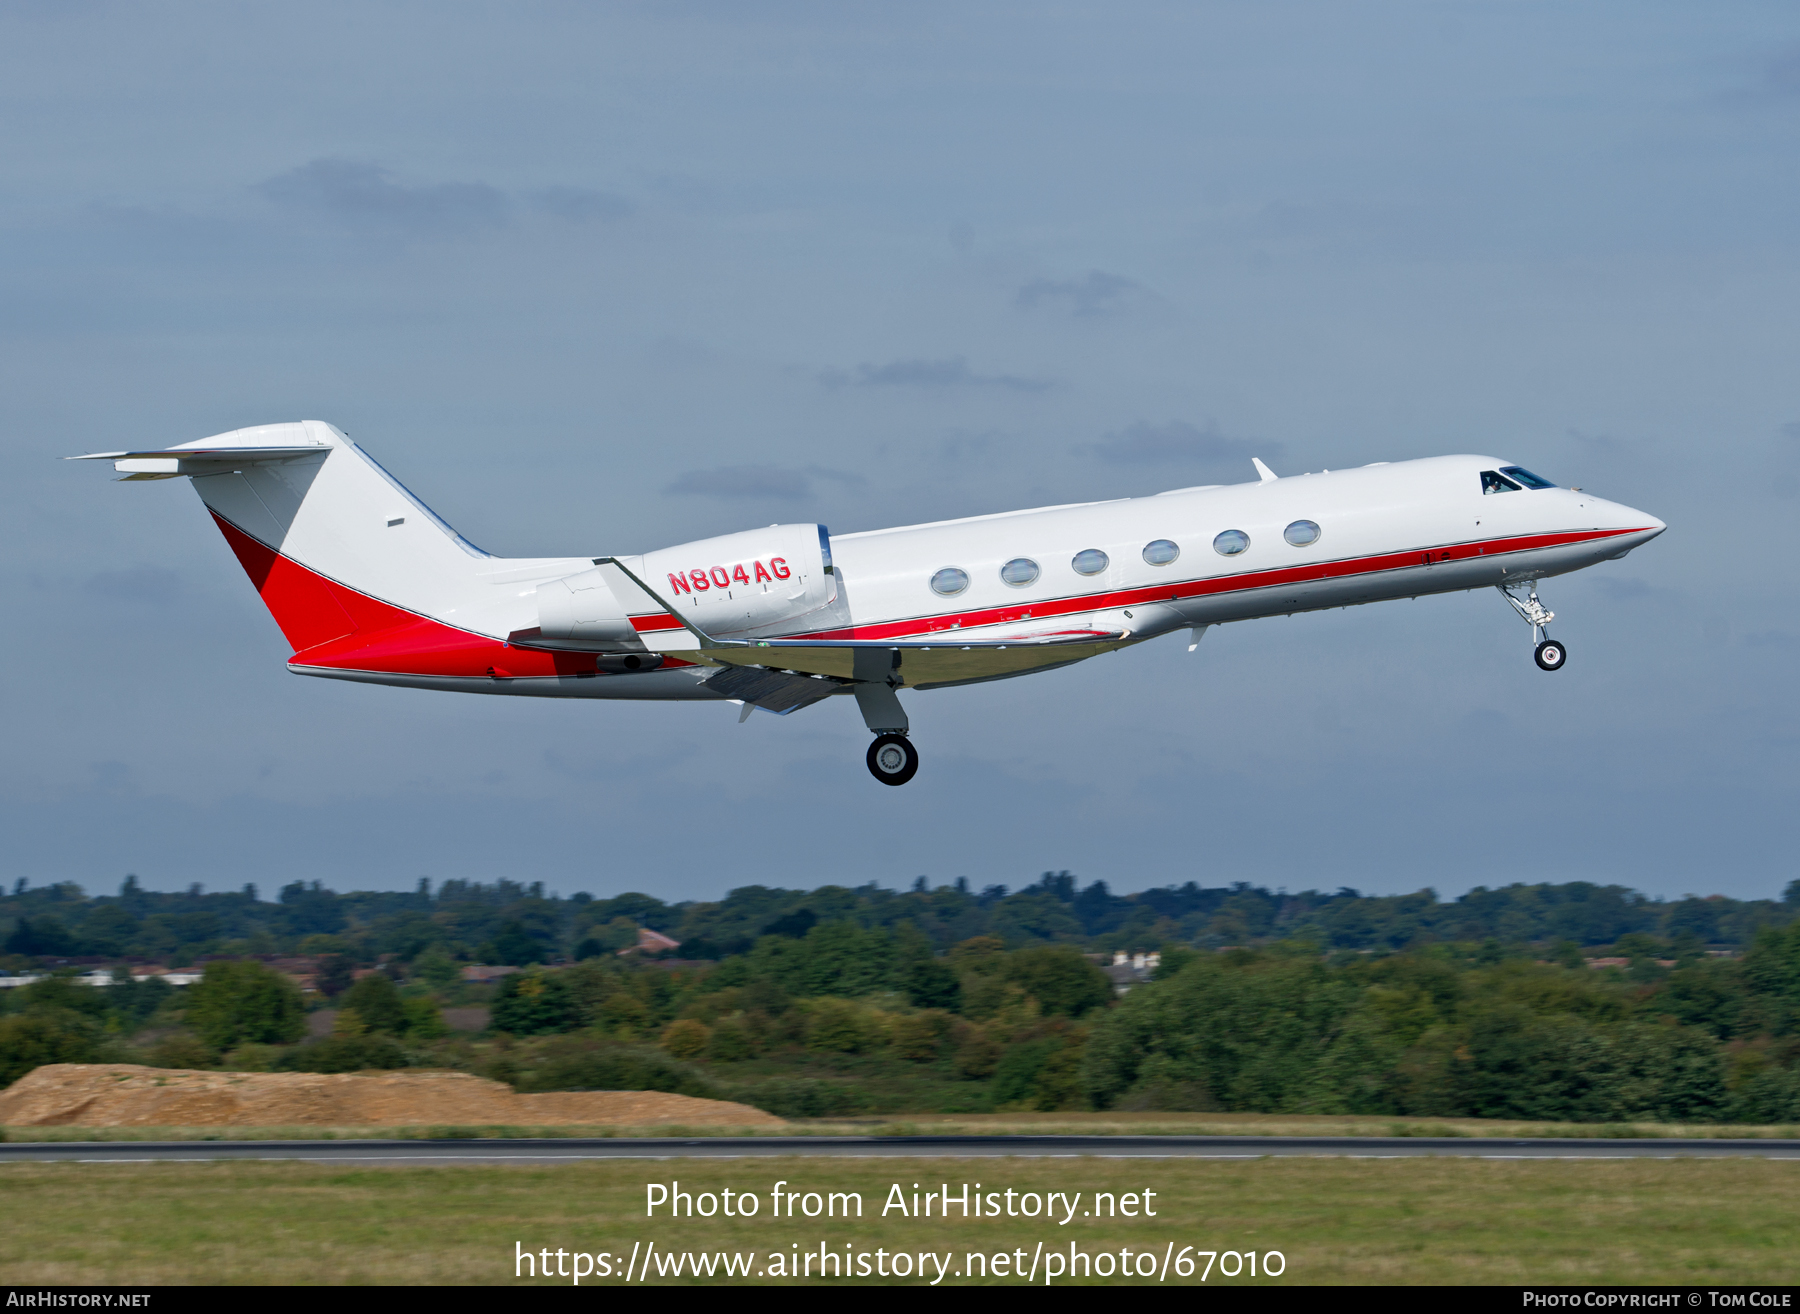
(836, 1017)
(508, 922)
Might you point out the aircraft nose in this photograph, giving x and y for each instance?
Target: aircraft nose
(1639, 526)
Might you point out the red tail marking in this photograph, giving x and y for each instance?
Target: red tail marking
(303, 605)
(334, 626)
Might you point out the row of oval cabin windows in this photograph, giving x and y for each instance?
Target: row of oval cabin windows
(1021, 571)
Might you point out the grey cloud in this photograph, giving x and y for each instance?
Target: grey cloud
(845, 478)
(1770, 639)
(366, 195)
(583, 205)
(1791, 430)
(1097, 294)
(743, 482)
(1176, 442)
(952, 372)
(148, 584)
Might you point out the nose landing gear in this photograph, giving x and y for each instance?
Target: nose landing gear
(1549, 654)
(893, 760)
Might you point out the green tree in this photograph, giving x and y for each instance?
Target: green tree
(30, 1040)
(931, 984)
(377, 1002)
(837, 1026)
(534, 1004)
(335, 975)
(1060, 979)
(242, 1001)
(343, 1054)
(424, 1020)
(436, 968)
(513, 946)
(64, 992)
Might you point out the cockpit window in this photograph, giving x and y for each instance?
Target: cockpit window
(1492, 481)
(1525, 476)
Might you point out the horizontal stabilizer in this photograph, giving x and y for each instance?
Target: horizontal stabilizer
(209, 454)
(167, 462)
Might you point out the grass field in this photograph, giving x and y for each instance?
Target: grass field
(957, 1124)
(1436, 1220)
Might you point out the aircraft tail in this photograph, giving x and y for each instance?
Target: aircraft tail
(332, 542)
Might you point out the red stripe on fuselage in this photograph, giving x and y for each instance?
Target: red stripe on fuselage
(1342, 569)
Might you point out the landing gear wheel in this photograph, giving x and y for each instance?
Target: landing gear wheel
(1550, 655)
(893, 760)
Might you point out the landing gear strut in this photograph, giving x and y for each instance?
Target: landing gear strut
(1549, 654)
(893, 760)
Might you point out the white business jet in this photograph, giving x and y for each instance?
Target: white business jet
(368, 584)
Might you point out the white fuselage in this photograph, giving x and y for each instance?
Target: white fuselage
(367, 584)
(1378, 527)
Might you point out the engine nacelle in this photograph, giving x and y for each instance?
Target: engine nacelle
(761, 581)
(583, 608)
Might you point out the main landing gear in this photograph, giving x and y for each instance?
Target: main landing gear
(892, 758)
(1549, 654)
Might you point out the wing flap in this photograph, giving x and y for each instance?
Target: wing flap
(917, 663)
(774, 691)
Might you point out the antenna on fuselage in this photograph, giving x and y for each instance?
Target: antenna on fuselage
(1262, 470)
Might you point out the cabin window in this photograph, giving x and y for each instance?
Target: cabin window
(1302, 533)
(1090, 562)
(1492, 481)
(949, 581)
(1525, 476)
(1160, 552)
(1019, 572)
(1231, 542)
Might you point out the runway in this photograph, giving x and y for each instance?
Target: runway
(429, 1152)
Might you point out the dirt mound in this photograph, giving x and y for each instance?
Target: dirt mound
(127, 1095)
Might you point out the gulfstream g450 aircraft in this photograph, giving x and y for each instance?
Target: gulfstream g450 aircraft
(368, 584)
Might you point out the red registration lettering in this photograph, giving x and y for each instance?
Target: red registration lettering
(762, 574)
(739, 574)
(719, 578)
(780, 566)
(699, 578)
(679, 584)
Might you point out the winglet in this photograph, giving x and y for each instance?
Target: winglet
(1262, 470)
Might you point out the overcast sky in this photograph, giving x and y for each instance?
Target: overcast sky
(596, 278)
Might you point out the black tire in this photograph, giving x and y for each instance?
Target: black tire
(1550, 655)
(891, 768)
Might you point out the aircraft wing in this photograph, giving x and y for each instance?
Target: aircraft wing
(919, 662)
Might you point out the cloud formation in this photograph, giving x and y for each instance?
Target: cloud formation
(1099, 293)
(950, 372)
(743, 483)
(359, 194)
(1174, 443)
(759, 482)
(583, 205)
(145, 584)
